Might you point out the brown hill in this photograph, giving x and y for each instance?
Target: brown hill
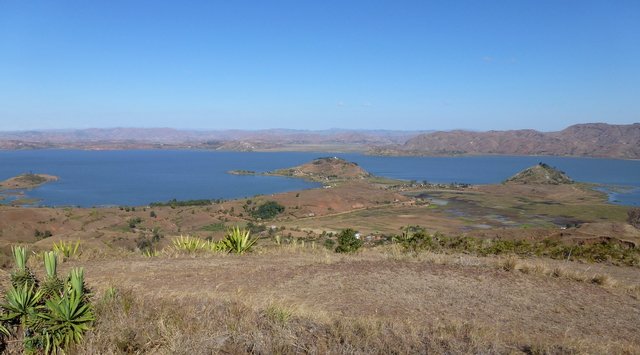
(325, 169)
(592, 139)
(540, 174)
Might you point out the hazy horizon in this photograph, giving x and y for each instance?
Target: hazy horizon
(410, 65)
(277, 129)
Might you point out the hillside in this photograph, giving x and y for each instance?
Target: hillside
(592, 139)
(540, 174)
(325, 169)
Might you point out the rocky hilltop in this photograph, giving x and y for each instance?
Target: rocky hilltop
(541, 174)
(591, 139)
(325, 169)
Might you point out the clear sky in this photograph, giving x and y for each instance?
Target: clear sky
(542, 64)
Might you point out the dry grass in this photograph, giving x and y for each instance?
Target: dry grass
(294, 298)
(129, 323)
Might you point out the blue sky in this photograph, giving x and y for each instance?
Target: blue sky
(412, 65)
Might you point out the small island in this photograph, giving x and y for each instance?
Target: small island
(326, 169)
(26, 181)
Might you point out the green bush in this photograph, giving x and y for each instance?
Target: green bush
(42, 234)
(348, 242)
(267, 210)
(133, 222)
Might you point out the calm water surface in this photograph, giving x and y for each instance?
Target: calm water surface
(137, 177)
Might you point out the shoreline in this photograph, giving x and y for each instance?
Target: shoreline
(355, 150)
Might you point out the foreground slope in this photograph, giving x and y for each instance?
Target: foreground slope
(288, 298)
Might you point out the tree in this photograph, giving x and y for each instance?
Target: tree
(348, 242)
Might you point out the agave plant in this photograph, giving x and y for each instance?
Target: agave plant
(192, 244)
(51, 317)
(21, 304)
(150, 253)
(76, 282)
(66, 319)
(20, 256)
(21, 275)
(66, 249)
(4, 330)
(51, 263)
(239, 241)
(52, 285)
(188, 243)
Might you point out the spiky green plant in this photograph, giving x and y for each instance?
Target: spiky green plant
(51, 263)
(238, 241)
(21, 304)
(192, 244)
(216, 246)
(150, 253)
(67, 249)
(52, 285)
(20, 256)
(189, 244)
(76, 282)
(67, 317)
(4, 330)
(21, 275)
(52, 317)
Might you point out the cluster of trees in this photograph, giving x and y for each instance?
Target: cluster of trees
(42, 234)
(267, 210)
(183, 203)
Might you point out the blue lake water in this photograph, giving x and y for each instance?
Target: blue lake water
(138, 177)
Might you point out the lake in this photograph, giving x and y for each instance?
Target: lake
(138, 177)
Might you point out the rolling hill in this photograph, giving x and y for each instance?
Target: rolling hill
(588, 140)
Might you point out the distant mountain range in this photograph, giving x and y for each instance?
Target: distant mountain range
(583, 140)
(591, 140)
(238, 140)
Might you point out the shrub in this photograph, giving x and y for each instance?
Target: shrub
(256, 228)
(606, 251)
(348, 242)
(42, 234)
(267, 210)
(133, 222)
